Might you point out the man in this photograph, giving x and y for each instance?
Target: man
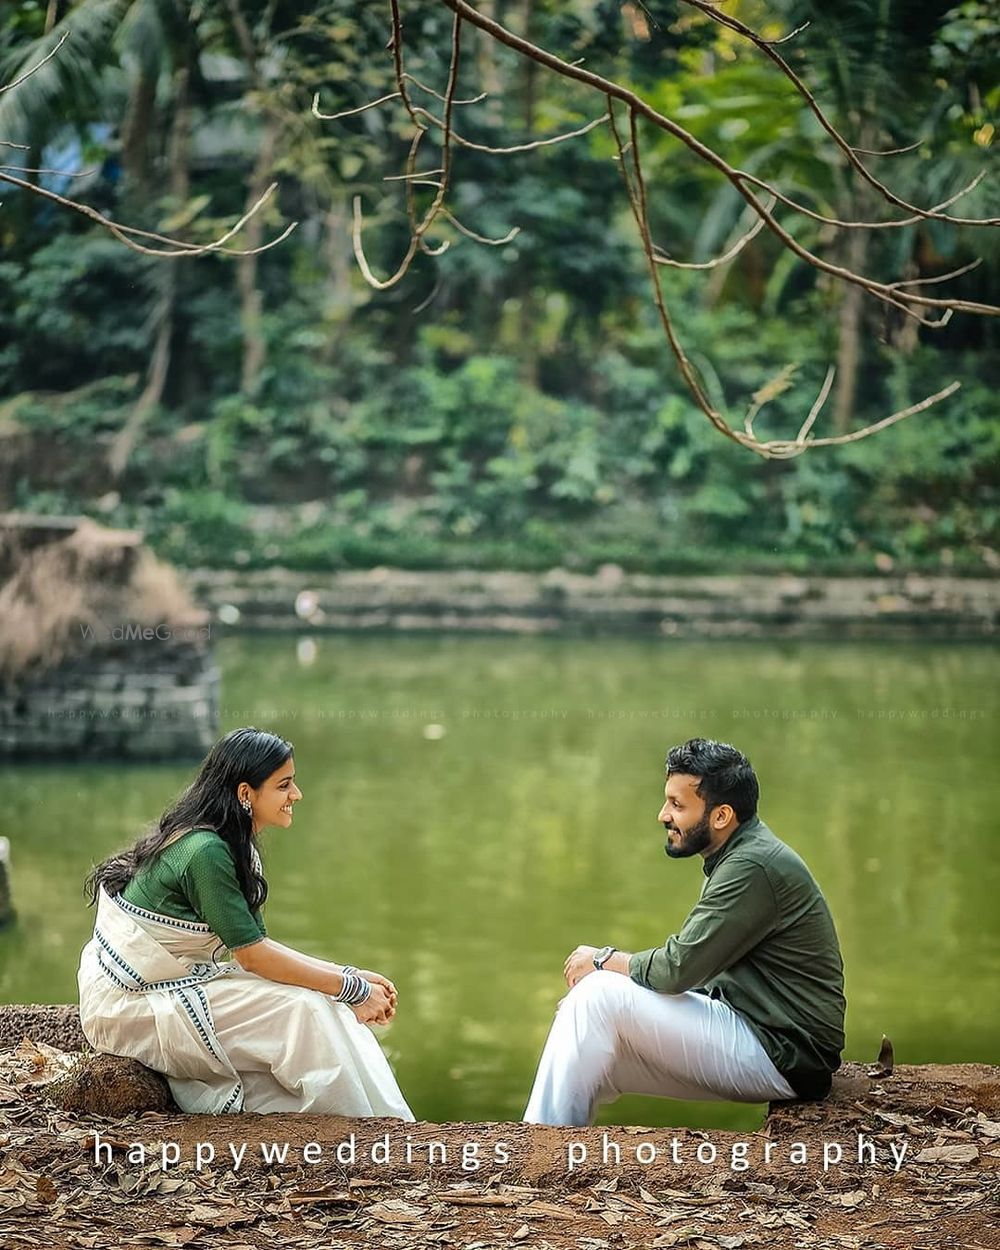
(745, 1003)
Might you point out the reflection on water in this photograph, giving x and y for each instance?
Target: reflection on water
(474, 808)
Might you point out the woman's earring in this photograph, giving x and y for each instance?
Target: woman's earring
(245, 804)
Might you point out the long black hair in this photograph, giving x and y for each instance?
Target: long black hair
(209, 802)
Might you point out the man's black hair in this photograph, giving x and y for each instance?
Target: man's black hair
(725, 774)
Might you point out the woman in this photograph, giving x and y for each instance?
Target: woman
(270, 1029)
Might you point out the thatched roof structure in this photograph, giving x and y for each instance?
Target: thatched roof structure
(67, 583)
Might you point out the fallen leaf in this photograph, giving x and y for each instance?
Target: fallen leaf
(522, 1232)
(45, 1189)
(680, 1237)
(901, 1121)
(550, 1209)
(168, 1236)
(988, 1128)
(948, 1154)
(396, 1211)
(217, 1217)
(884, 1063)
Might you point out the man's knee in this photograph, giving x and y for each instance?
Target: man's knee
(601, 995)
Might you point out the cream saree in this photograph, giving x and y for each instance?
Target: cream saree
(152, 987)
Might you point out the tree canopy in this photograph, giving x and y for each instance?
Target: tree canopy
(503, 403)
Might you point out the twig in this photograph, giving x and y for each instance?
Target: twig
(941, 277)
(62, 173)
(794, 449)
(817, 407)
(910, 147)
(123, 233)
(437, 95)
(642, 108)
(481, 238)
(516, 147)
(403, 177)
(35, 68)
(776, 43)
(359, 253)
(734, 24)
(363, 108)
(897, 224)
(733, 252)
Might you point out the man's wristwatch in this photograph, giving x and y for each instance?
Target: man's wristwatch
(602, 956)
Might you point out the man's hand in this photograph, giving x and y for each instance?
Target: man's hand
(579, 964)
(378, 1007)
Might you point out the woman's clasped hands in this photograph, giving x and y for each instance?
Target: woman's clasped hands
(380, 1005)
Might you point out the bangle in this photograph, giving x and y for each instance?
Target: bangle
(355, 989)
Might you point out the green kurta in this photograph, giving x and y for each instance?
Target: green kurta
(762, 939)
(195, 879)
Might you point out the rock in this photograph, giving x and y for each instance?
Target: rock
(110, 1085)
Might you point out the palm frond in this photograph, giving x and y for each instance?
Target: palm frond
(68, 84)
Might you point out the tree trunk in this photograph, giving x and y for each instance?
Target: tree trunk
(858, 205)
(163, 315)
(135, 134)
(251, 297)
(528, 313)
(849, 325)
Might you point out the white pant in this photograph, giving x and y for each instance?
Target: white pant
(611, 1036)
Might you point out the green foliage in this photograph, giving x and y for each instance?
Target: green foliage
(75, 312)
(512, 406)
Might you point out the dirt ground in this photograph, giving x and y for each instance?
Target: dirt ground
(928, 1177)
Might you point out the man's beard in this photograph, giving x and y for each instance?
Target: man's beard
(692, 842)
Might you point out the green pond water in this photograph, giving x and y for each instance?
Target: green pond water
(474, 808)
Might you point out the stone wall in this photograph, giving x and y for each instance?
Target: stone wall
(609, 601)
(103, 653)
(150, 701)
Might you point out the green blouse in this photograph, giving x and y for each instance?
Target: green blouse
(195, 879)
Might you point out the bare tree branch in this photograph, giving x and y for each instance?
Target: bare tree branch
(517, 147)
(35, 68)
(724, 259)
(180, 248)
(62, 173)
(776, 43)
(710, 156)
(438, 96)
(903, 295)
(910, 147)
(817, 407)
(363, 108)
(941, 277)
(800, 208)
(481, 238)
(174, 248)
(771, 448)
(734, 24)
